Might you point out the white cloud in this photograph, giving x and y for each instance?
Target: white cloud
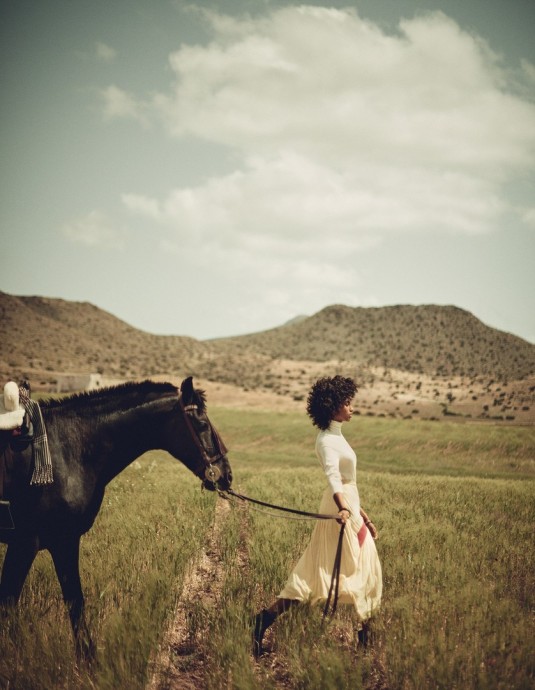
(528, 217)
(337, 124)
(105, 52)
(341, 135)
(330, 85)
(120, 104)
(142, 205)
(95, 229)
(291, 199)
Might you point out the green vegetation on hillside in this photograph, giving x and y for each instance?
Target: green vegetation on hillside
(430, 339)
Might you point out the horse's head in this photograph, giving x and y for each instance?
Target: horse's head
(214, 468)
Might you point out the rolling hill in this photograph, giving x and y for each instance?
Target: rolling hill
(400, 354)
(51, 336)
(425, 339)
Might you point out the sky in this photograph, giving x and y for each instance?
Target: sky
(218, 168)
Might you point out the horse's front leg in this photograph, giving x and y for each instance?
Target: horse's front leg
(18, 560)
(65, 554)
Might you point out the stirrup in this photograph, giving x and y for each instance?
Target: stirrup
(6, 519)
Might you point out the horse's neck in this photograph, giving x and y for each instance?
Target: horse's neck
(108, 443)
(128, 435)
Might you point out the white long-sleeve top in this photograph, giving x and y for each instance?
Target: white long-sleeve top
(338, 459)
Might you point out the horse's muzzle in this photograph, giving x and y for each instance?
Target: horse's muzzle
(218, 475)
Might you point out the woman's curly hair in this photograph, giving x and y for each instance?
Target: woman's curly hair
(327, 396)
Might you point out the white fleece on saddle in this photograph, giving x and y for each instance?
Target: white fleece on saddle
(11, 411)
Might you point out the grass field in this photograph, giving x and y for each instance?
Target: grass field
(455, 508)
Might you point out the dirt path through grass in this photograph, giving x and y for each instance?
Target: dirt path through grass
(185, 659)
(181, 658)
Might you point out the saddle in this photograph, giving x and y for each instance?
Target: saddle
(16, 434)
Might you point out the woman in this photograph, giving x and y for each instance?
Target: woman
(329, 405)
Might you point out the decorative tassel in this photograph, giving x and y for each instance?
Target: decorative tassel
(42, 472)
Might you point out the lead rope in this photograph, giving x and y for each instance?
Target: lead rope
(335, 577)
(317, 516)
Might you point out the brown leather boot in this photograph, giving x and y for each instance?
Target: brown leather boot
(262, 622)
(364, 635)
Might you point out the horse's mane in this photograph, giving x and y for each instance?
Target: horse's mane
(121, 397)
(199, 398)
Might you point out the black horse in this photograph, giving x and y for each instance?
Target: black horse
(92, 437)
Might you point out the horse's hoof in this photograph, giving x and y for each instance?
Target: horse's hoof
(86, 653)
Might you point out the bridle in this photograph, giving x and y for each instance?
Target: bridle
(210, 472)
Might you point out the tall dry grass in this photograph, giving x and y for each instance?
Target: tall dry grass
(454, 506)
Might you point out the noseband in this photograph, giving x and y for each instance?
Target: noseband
(211, 472)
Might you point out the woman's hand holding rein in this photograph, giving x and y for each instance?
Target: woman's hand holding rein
(343, 515)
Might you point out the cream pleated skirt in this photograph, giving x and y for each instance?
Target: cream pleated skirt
(361, 580)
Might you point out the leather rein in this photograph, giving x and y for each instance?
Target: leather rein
(335, 578)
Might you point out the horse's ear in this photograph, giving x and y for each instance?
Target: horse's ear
(186, 388)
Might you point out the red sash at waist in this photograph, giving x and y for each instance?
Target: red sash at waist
(361, 536)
